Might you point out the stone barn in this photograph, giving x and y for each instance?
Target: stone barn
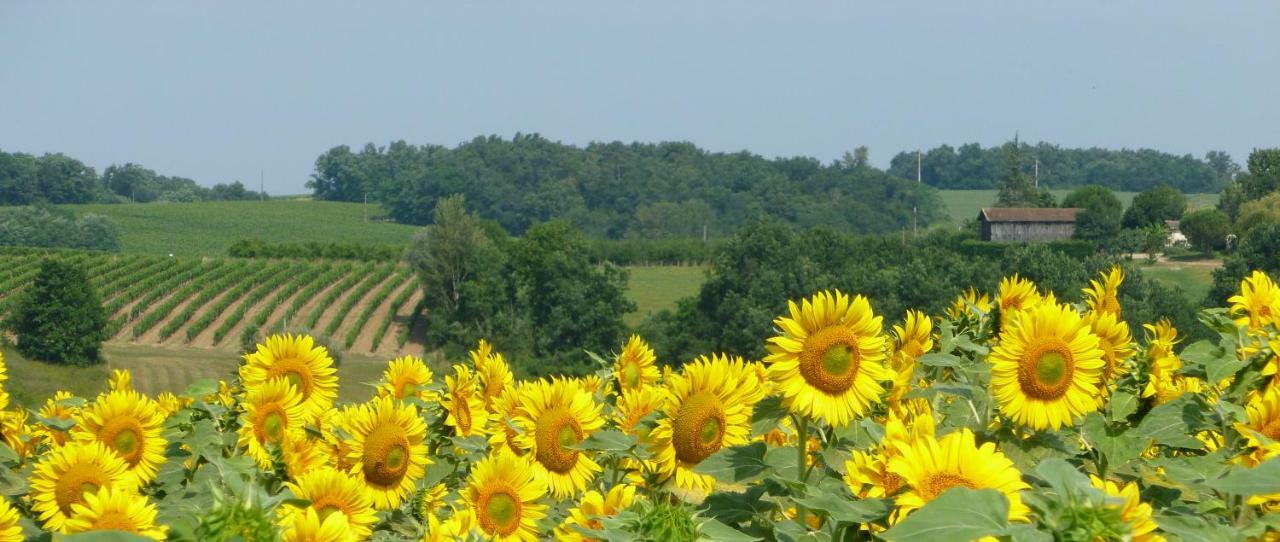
(1027, 224)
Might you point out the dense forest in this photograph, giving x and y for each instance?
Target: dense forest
(620, 190)
(972, 166)
(56, 178)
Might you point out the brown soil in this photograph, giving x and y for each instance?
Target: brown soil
(340, 336)
(364, 341)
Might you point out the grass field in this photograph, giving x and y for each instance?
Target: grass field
(653, 288)
(208, 228)
(965, 204)
(157, 369)
(1195, 278)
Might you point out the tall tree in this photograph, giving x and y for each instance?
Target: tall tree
(1154, 206)
(59, 318)
(1100, 219)
(1016, 187)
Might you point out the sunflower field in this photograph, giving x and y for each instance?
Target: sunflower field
(1009, 417)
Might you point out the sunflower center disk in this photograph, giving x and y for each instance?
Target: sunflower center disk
(326, 511)
(272, 427)
(556, 431)
(501, 514)
(830, 359)
(70, 488)
(1272, 430)
(295, 372)
(631, 375)
(1045, 370)
(124, 435)
(114, 521)
(698, 428)
(462, 413)
(386, 456)
(940, 482)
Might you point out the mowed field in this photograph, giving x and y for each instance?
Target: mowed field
(208, 228)
(965, 204)
(658, 287)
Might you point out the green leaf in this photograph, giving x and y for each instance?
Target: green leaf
(1216, 362)
(1263, 479)
(1122, 404)
(845, 508)
(731, 507)
(768, 414)
(1116, 445)
(1194, 529)
(957, 514)
(1026, 533)
(1174, 423)
(1063, 477)
(737, 464)
(714, 530)
(608, 440)
(201, 388)
(937, 359)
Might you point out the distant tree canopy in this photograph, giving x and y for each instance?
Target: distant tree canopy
(618, 190)
(47, 226)
(972, 166)
(1155, 206)
(1100, 219)
(59, 318)
(56, 178)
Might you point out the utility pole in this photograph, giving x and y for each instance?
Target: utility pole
(262, 185)
(366, 206)
(1037, 173)
(914, 206)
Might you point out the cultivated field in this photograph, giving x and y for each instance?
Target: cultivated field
(208, 228)
(209, 302)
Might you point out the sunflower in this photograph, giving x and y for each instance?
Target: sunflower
(1161, 338)
(62, 406)
(464, 403)
(828, 361)
(1102, 295)
(503, 494)
(634, 368)
(1046, 369)
(460, 525)
(170, 403)
(428, 500)
(501, 424)
(270, 411)
(591, 508)
(113, 509)
(1258, 303)
(387, 450)
(302, 454)
(10, 530)
(309, 526)
(930, 466)
(130, 424)
(300, 361)
(553, 416)
(335, 428)
(17, 434)
(634, 406)
(407, 376)
(1133, 511)
(1016, 294)
(912, 339)
(120, 380)
(1115, 341)
(971, 302)
(4, 376)
(63, 476)
(1262, 430)
(867, 472)
(332, 492)
(492, 370)
(705, 411)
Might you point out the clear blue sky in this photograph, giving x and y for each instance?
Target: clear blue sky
(217, 91)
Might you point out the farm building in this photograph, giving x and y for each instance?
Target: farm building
(1027, 224)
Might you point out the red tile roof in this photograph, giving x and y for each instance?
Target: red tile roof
(1028, 214)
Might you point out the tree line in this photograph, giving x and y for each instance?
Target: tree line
(27, 179)
(620, 190)
(971, 166)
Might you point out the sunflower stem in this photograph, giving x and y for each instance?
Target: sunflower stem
(802, 432)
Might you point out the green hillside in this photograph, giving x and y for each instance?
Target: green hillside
(965, 204)
(208, 228)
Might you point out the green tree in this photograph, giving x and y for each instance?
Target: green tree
(1016, 187)
(1259, 249)
(59, 318)
(460, 269)
(1258, 212)
(1206, 229)
(1161, 203)
(570, 304)
(1100, 219)
(1154, 237)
